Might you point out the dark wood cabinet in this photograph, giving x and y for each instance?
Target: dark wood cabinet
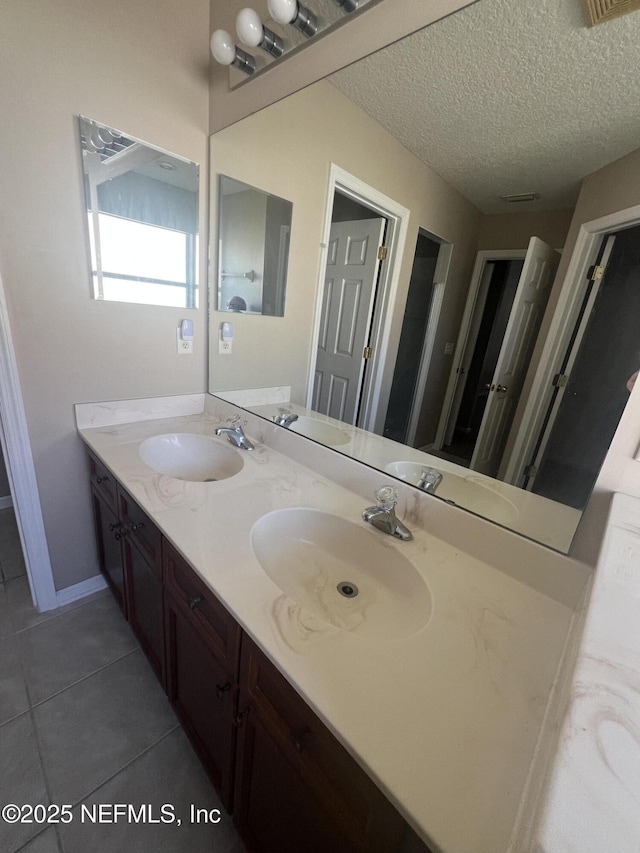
(202, 643)
(296, 787)
(289, 782)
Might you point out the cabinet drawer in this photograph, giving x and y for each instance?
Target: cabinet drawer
(141, 530)
(361, 814)
(210, 618)
(103, 482)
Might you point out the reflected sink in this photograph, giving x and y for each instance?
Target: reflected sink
(471, 492)
(308, 554)
(188, 456)
(319, 431)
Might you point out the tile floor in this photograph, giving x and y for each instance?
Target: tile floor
(84, 722)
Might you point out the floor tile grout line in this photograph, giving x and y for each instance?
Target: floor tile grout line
(62, 611)
(42, 702)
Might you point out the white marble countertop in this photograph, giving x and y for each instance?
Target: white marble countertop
(447, 720)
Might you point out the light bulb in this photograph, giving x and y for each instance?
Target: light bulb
(222, 47)
(249, 28)
(283, 11)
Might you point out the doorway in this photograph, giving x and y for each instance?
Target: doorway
(366, 207)
(354, 264)
(408, 375)
(502, 319)
(592, 387)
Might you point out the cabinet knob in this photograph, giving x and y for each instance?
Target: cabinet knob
(137, 526)
(115, 526)
(221, 689)
(121, 534)
(241, 717)
(194, 601)
(502, 388)
(101, 480)
(300, 738)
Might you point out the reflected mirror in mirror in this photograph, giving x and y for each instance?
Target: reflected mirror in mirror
(254, 230)
(480, 345)
(142, 207)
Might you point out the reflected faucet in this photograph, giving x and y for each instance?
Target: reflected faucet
(285, 418)
(383, 516)
(429, 480)
(235, 433)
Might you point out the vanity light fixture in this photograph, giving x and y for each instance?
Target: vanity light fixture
(252, 33)
(226, 53)
(294, 13)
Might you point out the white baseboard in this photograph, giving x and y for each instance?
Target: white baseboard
(6, 502)
(80, 590)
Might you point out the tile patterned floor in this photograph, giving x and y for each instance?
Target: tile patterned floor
(84, 722)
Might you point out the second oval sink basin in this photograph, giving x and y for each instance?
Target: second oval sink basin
(189, 456)
(319, 431)
(470, 492)
(342, 573)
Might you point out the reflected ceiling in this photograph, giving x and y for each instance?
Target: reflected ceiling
(505, 90)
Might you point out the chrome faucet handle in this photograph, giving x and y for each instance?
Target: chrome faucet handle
(387, 497)
(233, 421)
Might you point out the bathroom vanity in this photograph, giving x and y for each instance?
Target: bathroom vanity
(364, 728)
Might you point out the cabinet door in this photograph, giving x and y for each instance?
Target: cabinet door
(296, 787)
(108, 536)
(203, 695)
(145, 605)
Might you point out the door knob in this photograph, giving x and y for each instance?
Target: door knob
(502, 388)
(489, 386)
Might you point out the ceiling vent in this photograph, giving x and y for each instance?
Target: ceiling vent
(515, 199)
(600, 11)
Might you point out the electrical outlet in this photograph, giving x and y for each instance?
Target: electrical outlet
(224, 347)
(184, 347)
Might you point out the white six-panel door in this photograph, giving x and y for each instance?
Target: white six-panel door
(347, 308)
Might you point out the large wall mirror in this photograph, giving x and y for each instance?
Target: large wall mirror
(142, 209)
(431, 321)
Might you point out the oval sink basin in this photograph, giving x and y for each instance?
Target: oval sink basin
(470, 492)
(319, 431)
(310, 554)
(188, 456)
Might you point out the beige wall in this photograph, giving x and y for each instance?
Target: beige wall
(513, 230)
(287, 149)
(142, 68)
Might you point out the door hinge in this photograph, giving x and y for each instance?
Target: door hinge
(382, 253)
(560, 380)
(595, 273)
(530, 471)
(367, 352)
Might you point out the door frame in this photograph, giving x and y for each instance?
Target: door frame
(14, 439)
(483, 257)
(565, 311)
(397, 217)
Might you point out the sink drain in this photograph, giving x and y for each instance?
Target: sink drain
(348, 589)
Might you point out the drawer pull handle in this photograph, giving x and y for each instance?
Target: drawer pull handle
(137, 526)
(115, 526)
(299, 740)
(194, 601)
(221, 689)
(101, 480)
(240, 718)
(121, 534)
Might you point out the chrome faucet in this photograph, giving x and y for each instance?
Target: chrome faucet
(235, 433)
(383, 516)
(429, 480)
(285, 418)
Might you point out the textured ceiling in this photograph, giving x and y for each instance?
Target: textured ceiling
(509, 96)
